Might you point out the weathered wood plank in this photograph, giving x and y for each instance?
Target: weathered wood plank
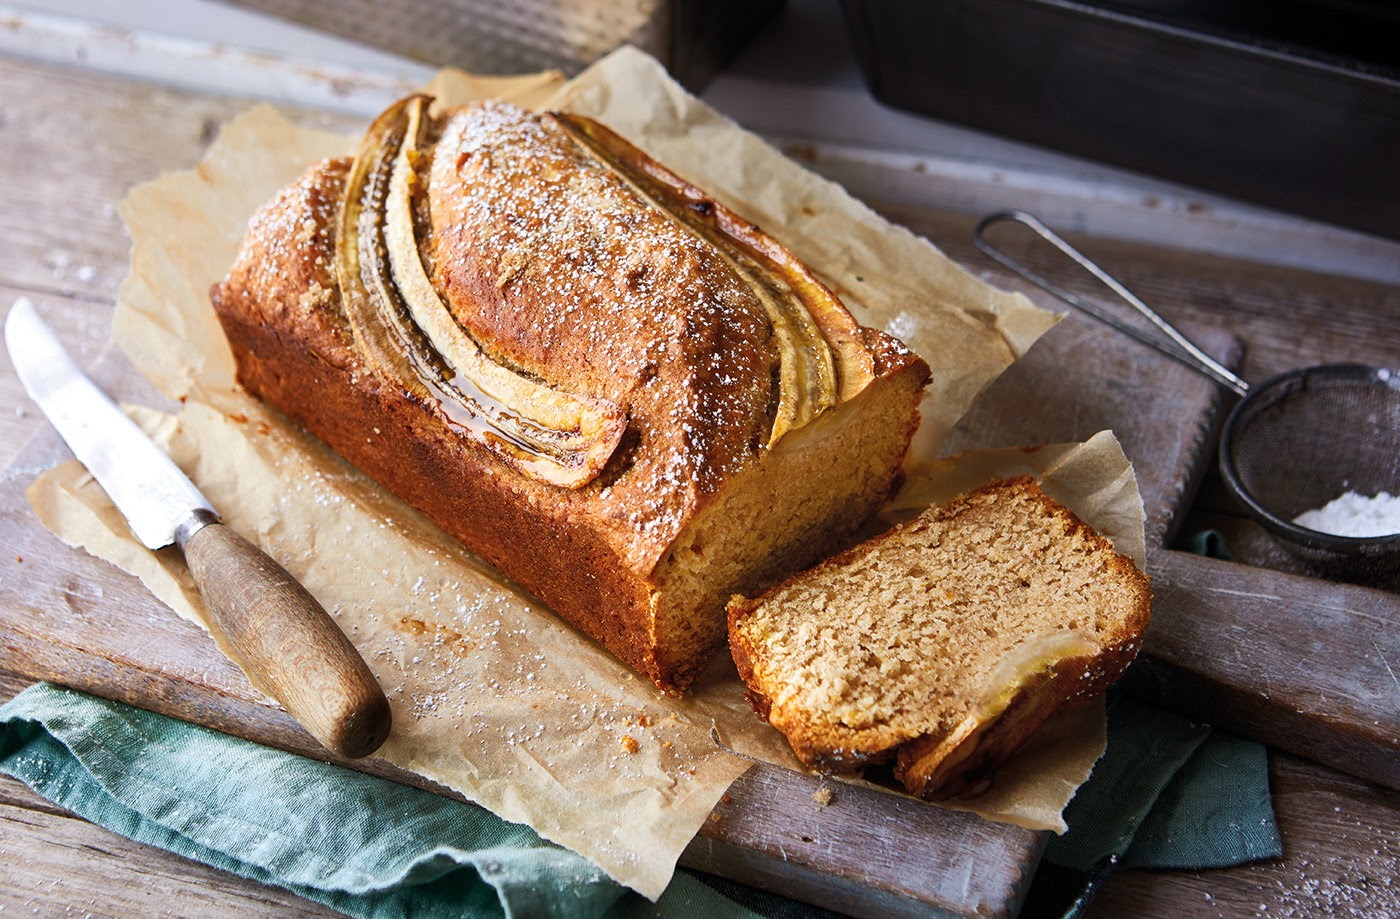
(1341, 859)
(771, 832)
(73, 143)
(1300, 664)
(57, 864)
(1083, 377)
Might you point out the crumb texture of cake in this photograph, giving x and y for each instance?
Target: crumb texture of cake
(944, 642)
(563, 273)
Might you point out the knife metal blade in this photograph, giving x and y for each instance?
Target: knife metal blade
(146, 486)
(269, 624)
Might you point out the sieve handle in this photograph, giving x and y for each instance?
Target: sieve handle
(1175, 345)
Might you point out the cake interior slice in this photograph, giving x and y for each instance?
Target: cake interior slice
(943, 644)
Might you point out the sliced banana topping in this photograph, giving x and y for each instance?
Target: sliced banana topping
(412, 340)
(822, 359)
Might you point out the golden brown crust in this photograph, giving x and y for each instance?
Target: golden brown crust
(587, 288)
(956, 758)
(568, 291)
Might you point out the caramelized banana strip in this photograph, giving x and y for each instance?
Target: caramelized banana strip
(412, 340)
(822, 355)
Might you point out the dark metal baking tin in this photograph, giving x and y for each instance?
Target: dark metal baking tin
(1188, 93)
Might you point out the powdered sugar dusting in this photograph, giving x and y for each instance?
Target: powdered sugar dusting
(555, 263)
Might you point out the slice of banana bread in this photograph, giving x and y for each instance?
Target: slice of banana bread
(944, 642)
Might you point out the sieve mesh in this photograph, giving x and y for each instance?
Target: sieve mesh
(1293, 444)
(1306, 437)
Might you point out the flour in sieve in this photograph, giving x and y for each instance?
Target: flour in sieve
(1352, 514)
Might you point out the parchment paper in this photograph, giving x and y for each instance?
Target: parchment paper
(492, 695)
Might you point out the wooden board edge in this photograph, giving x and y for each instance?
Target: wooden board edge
(1347, 638)
(972, 868)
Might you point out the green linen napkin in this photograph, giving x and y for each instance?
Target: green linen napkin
(1167, 794)
(1209, 543)
(362, 845)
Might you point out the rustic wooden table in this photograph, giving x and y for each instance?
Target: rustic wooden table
(74, 142)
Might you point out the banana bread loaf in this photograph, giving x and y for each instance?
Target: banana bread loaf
(944, 642)
(625, 397)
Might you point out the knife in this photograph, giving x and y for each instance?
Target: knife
(274, 628)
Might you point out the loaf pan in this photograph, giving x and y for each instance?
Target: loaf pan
(1294, 105)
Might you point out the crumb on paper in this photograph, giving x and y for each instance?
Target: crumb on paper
(629, 743)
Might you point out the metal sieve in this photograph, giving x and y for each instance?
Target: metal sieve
(1292, 444)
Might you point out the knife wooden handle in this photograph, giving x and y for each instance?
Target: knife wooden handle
(280, 633)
